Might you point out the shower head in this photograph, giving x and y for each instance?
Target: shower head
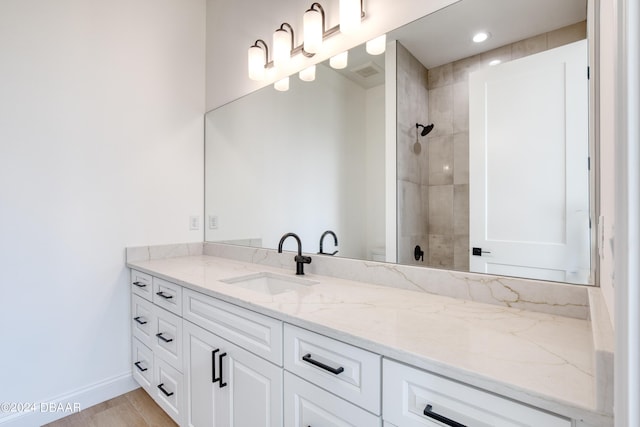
(425, 129)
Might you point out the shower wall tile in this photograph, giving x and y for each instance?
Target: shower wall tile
(441, 110)
(408, 163)
(410, 201)
(463, 67)
(529, 46)
(440, 157)
(566, 35)
(440, 76)
(461, 107)
(440, 209)
(461, 158)
(461, 252)
(461, 209)
(441, 253)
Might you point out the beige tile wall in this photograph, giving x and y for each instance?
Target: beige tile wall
(433, 186)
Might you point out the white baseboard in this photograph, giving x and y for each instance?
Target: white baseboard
(61, 406)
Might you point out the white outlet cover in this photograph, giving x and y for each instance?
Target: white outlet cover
(194, 222)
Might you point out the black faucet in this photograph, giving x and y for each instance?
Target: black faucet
(335, 242)
(300, 259)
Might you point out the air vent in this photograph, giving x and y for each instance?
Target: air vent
(367, 70)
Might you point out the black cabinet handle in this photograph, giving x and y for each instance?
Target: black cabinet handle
(163, 295)
(159, 335)
(142, 322)
(139, 367)
(213, 366)
(140, 285)
(428, 411)
(307, 358)
(166, 393)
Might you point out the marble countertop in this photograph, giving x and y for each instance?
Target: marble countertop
(540, 359)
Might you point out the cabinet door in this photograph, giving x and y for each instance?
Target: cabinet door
(227, 386)
(307, 405)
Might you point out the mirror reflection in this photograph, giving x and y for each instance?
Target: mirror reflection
(488, 156)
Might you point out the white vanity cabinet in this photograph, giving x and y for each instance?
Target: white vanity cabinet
(228, 386)
(210, 363)
(415, 398)
(156, 346)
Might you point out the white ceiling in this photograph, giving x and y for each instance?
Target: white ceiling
(445, 36)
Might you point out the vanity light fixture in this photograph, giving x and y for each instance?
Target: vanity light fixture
(339, 61)
(480, 37)
(350, 16)
(308, 74)
(377, 46)
(282, 85)
(283, 44)
(313, 25)
(258, 60)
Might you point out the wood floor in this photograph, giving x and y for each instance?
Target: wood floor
(133, 409)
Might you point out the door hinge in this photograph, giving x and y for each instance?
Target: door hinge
(588, 73)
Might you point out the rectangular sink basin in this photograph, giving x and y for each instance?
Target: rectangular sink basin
(270, 283)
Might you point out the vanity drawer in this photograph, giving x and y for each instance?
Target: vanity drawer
(142, 320)
(168, 389)
(409, 392)
(255, 332)
(347, 371)
(167, 339)
(308, 405)
(141, 284)
(167, 295)
(142, 360)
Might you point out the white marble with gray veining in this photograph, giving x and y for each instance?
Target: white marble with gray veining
(534, 295)
(539, 359)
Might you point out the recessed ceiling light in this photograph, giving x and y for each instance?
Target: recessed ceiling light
(495, 62)
(480, 37)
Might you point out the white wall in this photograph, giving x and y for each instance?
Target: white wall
(234, 25)
(101, 135)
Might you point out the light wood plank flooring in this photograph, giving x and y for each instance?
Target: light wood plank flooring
(133, 409)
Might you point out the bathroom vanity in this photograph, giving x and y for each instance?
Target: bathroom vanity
(223, 342)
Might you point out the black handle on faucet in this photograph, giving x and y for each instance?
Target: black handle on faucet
(418, 253)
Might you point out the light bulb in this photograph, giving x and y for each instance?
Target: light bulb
(256, 63)
(340, 60)
(282, 85)
(313, 31)
(308, 74)
(480, 37)
(350, 16)
(281, 47)
(377, 46)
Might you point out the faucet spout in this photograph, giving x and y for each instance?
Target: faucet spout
(300, 259)
(335, 242)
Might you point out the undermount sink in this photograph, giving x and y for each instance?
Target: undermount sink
(270, 283)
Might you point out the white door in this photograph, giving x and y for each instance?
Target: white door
(228, 386)
(528, 167)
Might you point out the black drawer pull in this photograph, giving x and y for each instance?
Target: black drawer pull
(142, 322)
(139, 367)
(159, 335)
(166, 393)
(140, 285)
(213, 363)
(163, 295)
(307, 358)
(428, 411)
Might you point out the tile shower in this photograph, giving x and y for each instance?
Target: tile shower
(433, 171)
